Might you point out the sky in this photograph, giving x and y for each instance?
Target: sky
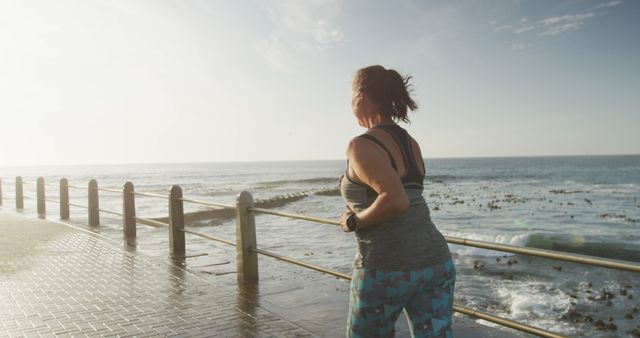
(158, 81)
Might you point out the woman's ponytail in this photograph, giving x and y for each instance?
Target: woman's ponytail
(388, 88)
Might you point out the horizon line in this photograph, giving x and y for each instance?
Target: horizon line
(307, 160)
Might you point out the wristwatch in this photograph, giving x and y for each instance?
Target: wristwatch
(351, 222)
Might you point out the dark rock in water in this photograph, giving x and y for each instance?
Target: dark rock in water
(606, 295)
(477, 265)
(498, 260)
(635, 309)
(589, 284)
(557, 267)
(623, 292)
(636, 332)
(601, 326)
(613, 215)
(506, 275)
(630, 296)
(572, 315)
(628, 316)
(588, 318)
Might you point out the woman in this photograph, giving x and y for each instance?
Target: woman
(403, 261)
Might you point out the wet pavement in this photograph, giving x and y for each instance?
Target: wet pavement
(59, 279)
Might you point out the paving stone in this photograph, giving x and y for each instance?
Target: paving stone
(61, 281)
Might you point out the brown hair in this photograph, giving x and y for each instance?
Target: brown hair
(387, 88)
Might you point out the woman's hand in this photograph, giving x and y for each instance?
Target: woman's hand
(343, 219)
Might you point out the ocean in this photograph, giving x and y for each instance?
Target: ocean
(583, 204)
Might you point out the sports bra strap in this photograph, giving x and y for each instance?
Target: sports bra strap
(376, 141)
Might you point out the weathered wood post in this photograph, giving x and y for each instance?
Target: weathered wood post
(19, 194)
(0, 191)
(176, 223)
(64, 199)
(246, 260)
(42, 209)
(94, 206)
(129, 214)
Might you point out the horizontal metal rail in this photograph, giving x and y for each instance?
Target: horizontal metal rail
(151, 222)
(557, 255)
(211, 204)
(295, 216)
(110, 212)
(458, 308)
(505, 322)
(77, 187)
(209, 237)
(148, 194)
(52, 201)
(119, 191)
(552, 254)
(52, 184)
(78, 206)
(29, 182)
(301, 263)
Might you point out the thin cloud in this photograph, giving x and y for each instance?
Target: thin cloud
(523, 29)
(561, 24)
(299, 27)
(555, 25)
(606, 5)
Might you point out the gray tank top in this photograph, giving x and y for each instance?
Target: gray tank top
(408, 242)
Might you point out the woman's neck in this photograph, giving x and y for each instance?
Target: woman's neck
(376, 120)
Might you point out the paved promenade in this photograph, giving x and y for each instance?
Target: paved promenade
(57, 280)
(62, 280)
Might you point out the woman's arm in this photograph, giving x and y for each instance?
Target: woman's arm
(372, 166)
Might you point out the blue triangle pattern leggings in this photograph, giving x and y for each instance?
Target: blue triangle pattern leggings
(378, 297)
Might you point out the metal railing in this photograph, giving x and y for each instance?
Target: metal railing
(247, 250)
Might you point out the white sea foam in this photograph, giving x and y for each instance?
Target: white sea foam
(536, 304)
(510, 239)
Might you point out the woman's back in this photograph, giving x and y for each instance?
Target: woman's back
(410, 241)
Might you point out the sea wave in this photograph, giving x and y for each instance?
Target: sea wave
(585, 246)
(558, 242)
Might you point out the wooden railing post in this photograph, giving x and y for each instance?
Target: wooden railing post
(19, 194)
(246, 260)
(176, 223)
(64, 199)
(94, 206)
(42, 209)
(129, 214)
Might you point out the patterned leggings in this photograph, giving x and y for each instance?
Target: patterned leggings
(378, 296)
